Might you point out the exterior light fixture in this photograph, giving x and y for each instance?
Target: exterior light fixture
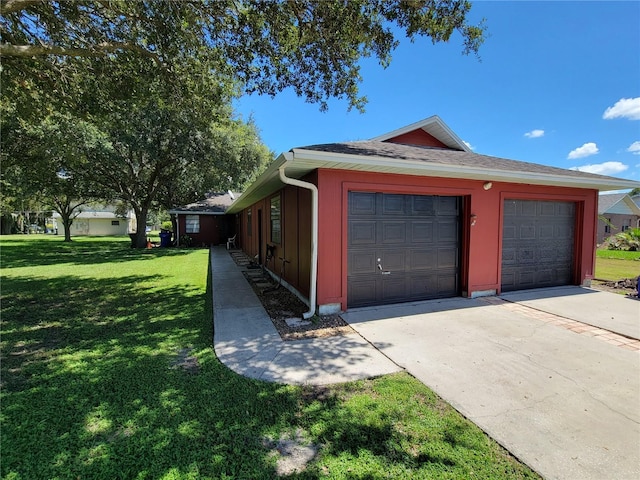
(474, 219)
(487, 185)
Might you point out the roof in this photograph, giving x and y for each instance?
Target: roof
(214, 204)
(617, 203)
(394, 158)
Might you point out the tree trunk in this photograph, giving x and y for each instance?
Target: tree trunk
(141, 225)
(67, 221)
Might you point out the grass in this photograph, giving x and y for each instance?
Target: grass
(615, 265)
(94, 341)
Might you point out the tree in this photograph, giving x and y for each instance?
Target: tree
(48, 161)
(168, 143)
(311, 46)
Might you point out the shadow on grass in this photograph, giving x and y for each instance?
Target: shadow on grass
(30, 251)
(97, 392)
(117, 378)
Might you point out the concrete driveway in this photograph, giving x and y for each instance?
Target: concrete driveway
(542, 372)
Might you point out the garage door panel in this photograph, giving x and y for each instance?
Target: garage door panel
(393, 261)
(423, 205)
(447, 258)
(448, 231)
(393, 232)
(417, 240)
(423, 259)
(422, 232)
(362, 291)
(540, 254)
(362, 263)
(362, 233)
(393, 204)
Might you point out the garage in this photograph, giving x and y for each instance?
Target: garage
(537, 244)
(402, 248)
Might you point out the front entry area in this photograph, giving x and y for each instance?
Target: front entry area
(402, 248)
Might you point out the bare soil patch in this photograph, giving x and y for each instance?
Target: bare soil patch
(285, 308)
(625, 286)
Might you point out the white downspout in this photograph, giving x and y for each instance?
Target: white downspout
(314, 232)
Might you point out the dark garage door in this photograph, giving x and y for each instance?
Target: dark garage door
(537, 244)
(402, 248)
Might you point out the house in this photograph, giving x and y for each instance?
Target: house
(204, 222)
(617, 212)
(99, 220)
(414, 215)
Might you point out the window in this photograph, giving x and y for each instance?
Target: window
(276, 230)
(626, 225)
(607, 225)
(115, 223)
(193, 224)
(249, 222)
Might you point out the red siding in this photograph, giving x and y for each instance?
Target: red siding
(481, 242)
(214, 230)
(418, 137)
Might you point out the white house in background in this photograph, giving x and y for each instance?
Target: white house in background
(99, 220)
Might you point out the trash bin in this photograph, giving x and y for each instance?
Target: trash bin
(165, 238)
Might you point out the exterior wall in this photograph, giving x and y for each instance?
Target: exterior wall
(97, 226)
(214, 229)
(618, 222)
(481, 243)
(418, 137)
(295, 243)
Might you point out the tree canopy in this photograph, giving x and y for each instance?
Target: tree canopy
(311, 46)
(136, 95)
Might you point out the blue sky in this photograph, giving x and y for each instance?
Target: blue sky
(558, 83)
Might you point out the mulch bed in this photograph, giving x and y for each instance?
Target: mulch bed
(282, 305)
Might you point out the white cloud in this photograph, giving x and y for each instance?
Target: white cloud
(471, 147)
(625, 108)
(583, 151)
(534, 134)
(634, 148)
(606, 168)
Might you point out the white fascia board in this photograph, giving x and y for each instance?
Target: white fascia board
(193, 212)
(421, 168)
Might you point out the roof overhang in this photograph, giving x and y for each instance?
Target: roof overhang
(301, 162)
(194, 212)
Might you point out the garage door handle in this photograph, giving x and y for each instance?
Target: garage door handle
(386, 272)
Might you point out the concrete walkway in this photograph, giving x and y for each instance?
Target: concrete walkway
(246, 341)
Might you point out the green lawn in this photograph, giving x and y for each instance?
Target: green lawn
(617, 264)
(108, 371)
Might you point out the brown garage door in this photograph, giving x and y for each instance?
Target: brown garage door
(402, 248)
(537, 244)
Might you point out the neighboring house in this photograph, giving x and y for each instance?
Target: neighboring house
(413, 215)
(99, 220)
(618, 212)
(205, 221)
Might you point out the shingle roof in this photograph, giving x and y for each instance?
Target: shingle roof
(215, 203)
(605, 202)
(443, 156)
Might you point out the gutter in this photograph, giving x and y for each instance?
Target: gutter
(314, 231)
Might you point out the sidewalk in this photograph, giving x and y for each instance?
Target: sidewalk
(246, 341)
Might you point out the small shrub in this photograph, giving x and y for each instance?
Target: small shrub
(627, 240)
(186, 240)
(167, 226)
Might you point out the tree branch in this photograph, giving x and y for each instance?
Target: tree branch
(10, 6)
(8, 50)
